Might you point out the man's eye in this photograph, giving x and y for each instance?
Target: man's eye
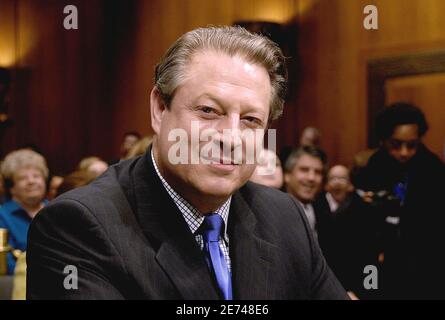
(253, 120)
(207, 110)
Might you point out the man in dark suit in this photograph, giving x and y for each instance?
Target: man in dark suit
(404, 182)
(345, 229)
(164, 226)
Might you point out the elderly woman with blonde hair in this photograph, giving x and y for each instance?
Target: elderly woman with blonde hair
(24, 174)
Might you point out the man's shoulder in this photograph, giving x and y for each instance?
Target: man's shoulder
(103, 197)
(255, 191)
(99, 190)
(270, 201)
(430, 159)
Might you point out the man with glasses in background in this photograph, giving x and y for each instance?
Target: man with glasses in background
(404, 183)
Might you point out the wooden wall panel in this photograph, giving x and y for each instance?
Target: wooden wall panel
(7, 40)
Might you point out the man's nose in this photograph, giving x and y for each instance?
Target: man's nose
(311, 176)
(404, 152)
(235, 120)
(231, 131)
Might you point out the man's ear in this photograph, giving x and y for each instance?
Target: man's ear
(157, 108)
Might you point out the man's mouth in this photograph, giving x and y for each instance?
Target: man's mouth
(220, 161)
(309, 188)
(224, 167)
(221, 164)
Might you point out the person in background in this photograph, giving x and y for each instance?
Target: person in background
(94, 165)
(25, 174)
(269, 171)
(73, 180)
(139, 148)
(303, 175)
(338, 187)
(404, 182)
(54, 184)
(129, 140)
(345, 232)
(310, 136)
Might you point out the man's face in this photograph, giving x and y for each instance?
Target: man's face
(338, 183)
(404, 142)
(29, 186)
(304, 182)
(219, 92)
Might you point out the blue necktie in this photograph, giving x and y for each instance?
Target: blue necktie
(211, 230)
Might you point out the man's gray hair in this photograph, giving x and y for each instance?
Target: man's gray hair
(233, 41)
(297, 153)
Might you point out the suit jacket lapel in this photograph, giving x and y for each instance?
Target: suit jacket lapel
(252, 257)
(167, 231)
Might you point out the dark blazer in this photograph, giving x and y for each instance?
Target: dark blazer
(128, 240)
(417, 252)
(347, 240)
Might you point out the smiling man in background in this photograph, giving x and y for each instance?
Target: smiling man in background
(152, 229)
(304, 172)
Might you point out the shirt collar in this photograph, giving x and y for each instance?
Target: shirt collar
(306, 206)
(192, 216)
(333, 204)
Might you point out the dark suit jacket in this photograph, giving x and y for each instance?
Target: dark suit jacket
(128, 240)
(415, 250)
(347, 240)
